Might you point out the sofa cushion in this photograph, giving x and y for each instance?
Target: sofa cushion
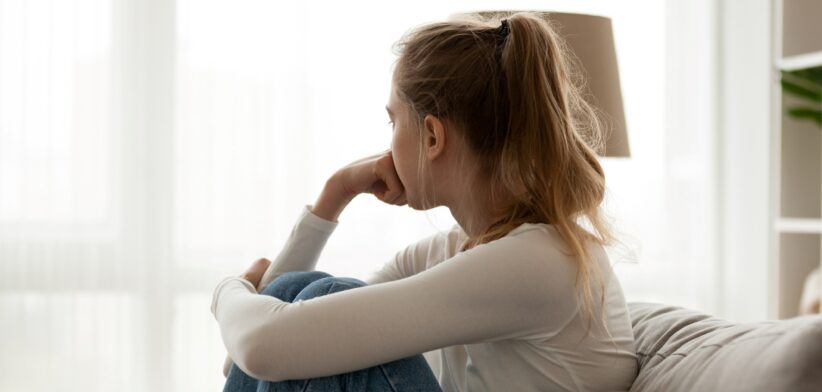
(684, 350)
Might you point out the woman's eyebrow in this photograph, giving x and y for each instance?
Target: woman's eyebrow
(390, 113)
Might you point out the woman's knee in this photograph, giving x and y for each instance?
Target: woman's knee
(328, 285)
(289, 284)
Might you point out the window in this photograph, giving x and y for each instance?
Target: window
(149, 149)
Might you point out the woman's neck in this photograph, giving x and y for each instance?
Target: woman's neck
(475, 213)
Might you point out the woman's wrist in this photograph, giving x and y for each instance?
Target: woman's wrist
(332, 200)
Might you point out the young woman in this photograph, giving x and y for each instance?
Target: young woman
(517, 296)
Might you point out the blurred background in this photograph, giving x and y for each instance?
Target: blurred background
(150, 148)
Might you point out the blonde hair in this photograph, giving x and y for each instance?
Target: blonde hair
(519, 104)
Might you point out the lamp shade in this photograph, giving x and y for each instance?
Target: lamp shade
(591, 40)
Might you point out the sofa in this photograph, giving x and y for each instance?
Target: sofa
(684, 350)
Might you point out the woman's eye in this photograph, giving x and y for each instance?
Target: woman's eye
(391, 123)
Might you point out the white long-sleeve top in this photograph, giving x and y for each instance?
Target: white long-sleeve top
(502, 316)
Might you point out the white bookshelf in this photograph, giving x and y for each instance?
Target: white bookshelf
(799, 225)
(797, 163)
(801, 61)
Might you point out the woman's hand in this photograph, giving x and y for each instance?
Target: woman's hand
(374, 174)
(255, 272)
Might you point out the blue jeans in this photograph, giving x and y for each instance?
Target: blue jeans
(405, 374)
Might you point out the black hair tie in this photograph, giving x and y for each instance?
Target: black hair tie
(503, 30)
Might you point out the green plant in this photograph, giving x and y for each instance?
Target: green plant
(805, 84)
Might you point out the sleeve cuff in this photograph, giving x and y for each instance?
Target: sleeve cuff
(235, 281)
(308, 218)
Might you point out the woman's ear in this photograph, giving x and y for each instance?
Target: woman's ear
(434, 137)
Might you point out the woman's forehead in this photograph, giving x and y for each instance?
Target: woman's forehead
(392, 98)
(394, 106)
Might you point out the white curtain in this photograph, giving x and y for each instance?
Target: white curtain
(148, 148)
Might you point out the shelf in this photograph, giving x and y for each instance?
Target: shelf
(801, 61)
(799, 225)
(797, 151)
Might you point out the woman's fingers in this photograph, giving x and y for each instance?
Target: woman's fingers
(401, 201)
(255, 272)
(375, 174)
(388, 174)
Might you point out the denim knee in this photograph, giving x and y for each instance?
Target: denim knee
(328, 285)
(287, 282)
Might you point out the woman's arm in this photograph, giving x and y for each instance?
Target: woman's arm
(374, 174)
(505, 289)
(418, 256)
(309, 235)
(303, 247)
(332, 200)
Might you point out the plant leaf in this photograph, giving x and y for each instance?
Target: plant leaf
(813, 75)
(809, 76)
(803, 113)
(814, 95)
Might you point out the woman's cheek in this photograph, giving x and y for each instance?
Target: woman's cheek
(398, 167)
(396, 153)
(404, 162)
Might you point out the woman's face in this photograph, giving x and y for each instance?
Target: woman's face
(404, 148)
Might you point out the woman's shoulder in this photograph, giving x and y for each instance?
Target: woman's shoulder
(549, 236)
(537, 246)
(450, 241)
(441, 245)
(540, 249)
